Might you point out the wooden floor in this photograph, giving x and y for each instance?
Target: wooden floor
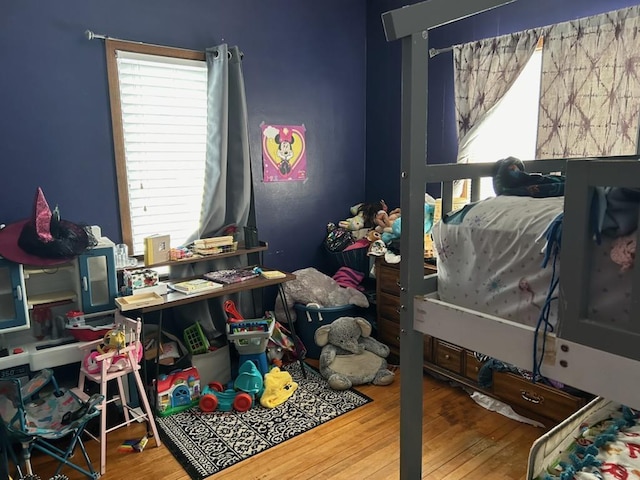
(460, 441)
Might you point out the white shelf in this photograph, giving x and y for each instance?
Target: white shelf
(51, 297)
(29, 271)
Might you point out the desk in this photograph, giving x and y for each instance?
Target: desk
(175, 299)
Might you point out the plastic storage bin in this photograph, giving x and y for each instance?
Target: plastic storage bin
(310, 317)
(355, 258)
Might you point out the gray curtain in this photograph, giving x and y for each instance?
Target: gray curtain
(228, 196)
(590, 89)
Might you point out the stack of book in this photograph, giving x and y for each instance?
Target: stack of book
(215, 245)
(197, 285)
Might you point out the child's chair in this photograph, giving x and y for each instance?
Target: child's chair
(116, 355)
(37, 420)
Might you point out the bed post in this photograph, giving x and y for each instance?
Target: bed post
(411, 24)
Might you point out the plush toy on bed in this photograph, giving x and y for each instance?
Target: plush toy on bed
(350, 356)
(313, 286)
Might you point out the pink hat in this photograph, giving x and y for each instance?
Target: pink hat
(43, 239)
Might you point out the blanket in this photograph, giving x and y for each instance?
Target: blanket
(510, 178)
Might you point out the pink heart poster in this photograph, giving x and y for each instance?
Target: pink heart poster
(284, 153)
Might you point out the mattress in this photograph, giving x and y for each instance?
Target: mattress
(490, 257)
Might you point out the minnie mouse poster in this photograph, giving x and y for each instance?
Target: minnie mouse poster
(284, 153)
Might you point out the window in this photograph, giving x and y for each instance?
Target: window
(159, 115)
(510, 128)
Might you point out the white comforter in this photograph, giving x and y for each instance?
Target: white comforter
(491, 262)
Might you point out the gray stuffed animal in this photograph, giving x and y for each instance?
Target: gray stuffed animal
(313, 286)
(350, 356)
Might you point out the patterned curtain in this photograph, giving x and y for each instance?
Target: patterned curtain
(484, 71)
(590, 90)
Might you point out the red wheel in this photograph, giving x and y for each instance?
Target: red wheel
(208, 403)
(242, 402)
(217, 386)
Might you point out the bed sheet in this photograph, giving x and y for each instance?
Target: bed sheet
(490, 260)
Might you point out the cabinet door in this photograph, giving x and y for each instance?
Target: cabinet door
(98, 279)
(13, 303)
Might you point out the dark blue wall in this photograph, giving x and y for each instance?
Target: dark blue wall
(383, 79)
(303, 64)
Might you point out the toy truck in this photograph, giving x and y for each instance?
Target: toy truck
(248, 386)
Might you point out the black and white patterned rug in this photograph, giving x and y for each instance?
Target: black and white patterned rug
(206, 443)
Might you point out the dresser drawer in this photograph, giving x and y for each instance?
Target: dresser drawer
(471, 366)
(388, 306)
(428, 348)
(388, 278)
(535, 397)
(448, 356)
(389, 332)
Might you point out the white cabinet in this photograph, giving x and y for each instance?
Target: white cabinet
(32, 296)
(13, 304)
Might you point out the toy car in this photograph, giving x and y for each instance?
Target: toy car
(241, 397)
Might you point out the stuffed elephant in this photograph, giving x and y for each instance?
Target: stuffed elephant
(350, 356)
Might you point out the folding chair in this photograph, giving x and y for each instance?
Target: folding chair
(36, 419)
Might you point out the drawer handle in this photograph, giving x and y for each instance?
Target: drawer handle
(447, 356)
(531, 397)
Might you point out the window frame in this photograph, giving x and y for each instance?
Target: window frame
(111, 46)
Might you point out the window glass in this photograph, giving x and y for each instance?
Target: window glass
(510, 128)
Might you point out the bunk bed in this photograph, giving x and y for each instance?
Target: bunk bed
(580, 351)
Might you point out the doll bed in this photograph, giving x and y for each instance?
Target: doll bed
(600, 437)
(599, 358)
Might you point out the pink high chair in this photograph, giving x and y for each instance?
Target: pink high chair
(115, 356)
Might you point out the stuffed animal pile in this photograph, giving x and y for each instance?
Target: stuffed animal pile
(313, 286)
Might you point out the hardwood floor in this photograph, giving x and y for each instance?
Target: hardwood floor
(460, 441)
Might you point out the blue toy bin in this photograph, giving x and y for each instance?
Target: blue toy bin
(311, 316)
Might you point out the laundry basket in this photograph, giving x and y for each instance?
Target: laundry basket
(311, 316)
(355, 258)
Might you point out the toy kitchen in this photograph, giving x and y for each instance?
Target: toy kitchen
(46, 311)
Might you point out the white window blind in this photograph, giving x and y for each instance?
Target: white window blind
(510, 128)
(164, 118)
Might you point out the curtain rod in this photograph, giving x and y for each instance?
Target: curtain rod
(92, 36)
(437, 51)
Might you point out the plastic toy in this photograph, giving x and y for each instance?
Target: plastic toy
(251, 337)
(178, 391)
(278, 387)
(247, 387)
(114, 339)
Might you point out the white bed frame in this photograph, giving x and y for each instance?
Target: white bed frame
(582, 354)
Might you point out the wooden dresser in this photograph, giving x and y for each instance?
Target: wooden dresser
(451, 362)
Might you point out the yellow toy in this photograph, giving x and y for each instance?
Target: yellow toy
(278, 387)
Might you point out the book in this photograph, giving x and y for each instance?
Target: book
(232, 275)
(213, 242)
(157, 249)
(273, 274)
(198, 285)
